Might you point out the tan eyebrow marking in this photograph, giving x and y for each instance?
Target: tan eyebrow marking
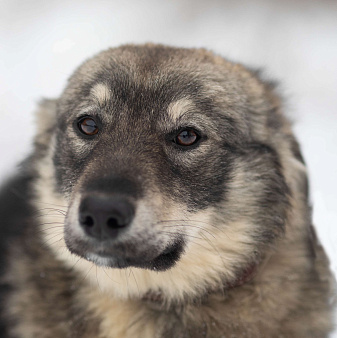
(177, 108)
(101, 93)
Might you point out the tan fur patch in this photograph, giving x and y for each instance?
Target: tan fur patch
(127, 316)
(101, 93)
(52, 206)
(178, 108)
(212, 254)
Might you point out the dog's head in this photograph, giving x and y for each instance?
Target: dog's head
(168, 160)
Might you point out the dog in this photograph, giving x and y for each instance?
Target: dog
(166, 196)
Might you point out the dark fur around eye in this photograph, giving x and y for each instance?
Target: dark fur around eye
(186, 137)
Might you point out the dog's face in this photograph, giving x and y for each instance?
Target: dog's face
(166, 160)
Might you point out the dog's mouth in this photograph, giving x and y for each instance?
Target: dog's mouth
(100, 231)
(168, 257)
(164, 261)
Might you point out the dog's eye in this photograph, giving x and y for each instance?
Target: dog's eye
(187, 137)
(87, 126)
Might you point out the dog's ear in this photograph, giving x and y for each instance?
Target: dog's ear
(45, 122)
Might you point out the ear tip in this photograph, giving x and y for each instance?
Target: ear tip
(46, 107)
(46, 103)
(45, 117)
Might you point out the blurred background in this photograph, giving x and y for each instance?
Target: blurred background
(294, 41)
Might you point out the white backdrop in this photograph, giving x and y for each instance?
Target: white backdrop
(295, 41)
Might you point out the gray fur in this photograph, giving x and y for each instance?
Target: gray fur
(231, 210)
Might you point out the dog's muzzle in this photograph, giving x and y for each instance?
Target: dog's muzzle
(112, 235)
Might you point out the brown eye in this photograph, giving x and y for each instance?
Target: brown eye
(186, 138)
(88, 126)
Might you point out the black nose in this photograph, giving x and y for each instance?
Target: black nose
(104, 216)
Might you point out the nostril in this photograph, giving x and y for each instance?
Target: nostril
(113, 223)
(88, 221)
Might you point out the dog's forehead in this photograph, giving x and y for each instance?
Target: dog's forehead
(151, 82)
(136, 67)
(102, 94)
(145, 62)
(154, 72)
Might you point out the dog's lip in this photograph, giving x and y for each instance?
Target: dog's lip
(105, 260)
(164, 261)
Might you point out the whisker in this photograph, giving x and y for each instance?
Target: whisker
(195, 254)
(92, 265)
(135, 321)
(75, 263)
(191, 221)
(203, 238)
(98, 281)
(55, 229)
(127, 282)
(50, 223)
(200, 244)
(56, 205)
(109, 276)
(175, 234)
(49, 239)
(59, 227)
(48, 215)
(50, 209)
(215, 248)
(134, 277)
(55, 242)
(192, 226)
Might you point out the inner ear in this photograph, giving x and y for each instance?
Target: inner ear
(45, 121)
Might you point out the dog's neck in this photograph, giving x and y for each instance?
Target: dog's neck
(156, 299)
(246, 275)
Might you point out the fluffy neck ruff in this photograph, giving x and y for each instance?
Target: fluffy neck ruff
(156, 299)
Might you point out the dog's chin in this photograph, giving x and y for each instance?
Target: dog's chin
(160, 262)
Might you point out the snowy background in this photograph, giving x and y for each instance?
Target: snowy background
(295, 41)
